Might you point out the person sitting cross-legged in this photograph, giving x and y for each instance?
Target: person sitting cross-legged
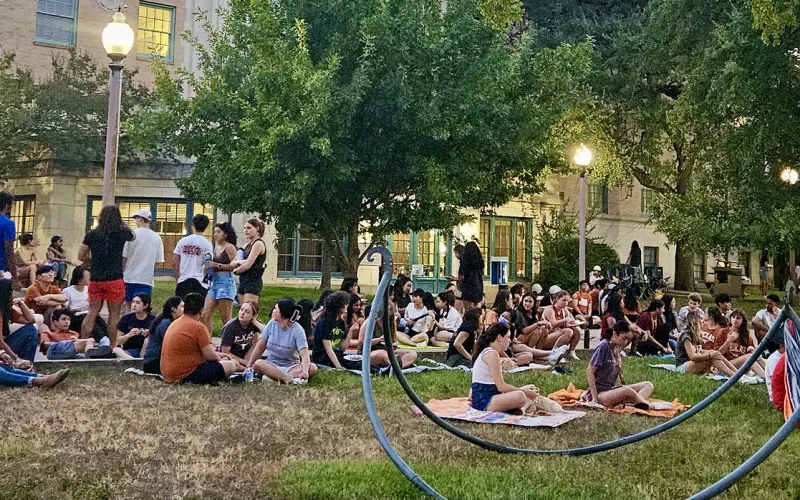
(172, 310)
(240, 334)
(43, 297)
(284, 339)
(187, 353)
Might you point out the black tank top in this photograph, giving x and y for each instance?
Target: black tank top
(257, 269)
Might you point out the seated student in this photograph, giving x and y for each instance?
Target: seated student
(331, 336)
(401, 293)
(78, 302)
(459, 351)
(378, 357)
(563, 330)
(530, 331)
(689, 355)
(606, 367)
(764, 319)
(582, 304)
(187, 354)
(655, 339)
(17, 325)
(14, 372)
(61, 342)
(43, 297)
(489, 392)
(598, 286)
(737, 345)
(517, 292)
(447, 320)
(416, 319)
(723, 301)
(694, 305)
(241, 333)
(134, 327)
(26, 259)
(774, 358)
(713, 332)
(284, 339)
(307, 305)
(355, 314)
(172, 310)
(319, 307)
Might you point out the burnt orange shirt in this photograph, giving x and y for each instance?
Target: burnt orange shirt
(181, 352)
(37, 290)
(59, 336)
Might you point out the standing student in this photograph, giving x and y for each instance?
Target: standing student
(489, 392)
(8, 234)
(471, 269)
(172, 310)
(240, 334)
(251, 268)
(134, 327)
(635, 257)
(738, 344)
(189, 258)
(459, 351)
(140, 256)
(331, 335)
(763, 275)
(223, 287)
(690, 357)
(605, 369)
(77, 294)
(102, 249)
(284, 339)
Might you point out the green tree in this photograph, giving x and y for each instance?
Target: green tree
(360, 118)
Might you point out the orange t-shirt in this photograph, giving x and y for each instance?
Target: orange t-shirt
(735, 349)
(181, 352)
(59, 336)
(583, 301)
(37, 291)
(710, 336)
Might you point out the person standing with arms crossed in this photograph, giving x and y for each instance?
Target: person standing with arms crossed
(140, 256)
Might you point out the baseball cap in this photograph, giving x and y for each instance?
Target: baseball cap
(612, 286)
(536, 289)
(144, 214)
(554, 289)
(44, 270)
(597, 268)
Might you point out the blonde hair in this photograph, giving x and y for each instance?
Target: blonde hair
(693, 325)
(695, 297)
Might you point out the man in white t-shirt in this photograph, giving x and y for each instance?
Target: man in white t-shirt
(140, 256)
(189, 258)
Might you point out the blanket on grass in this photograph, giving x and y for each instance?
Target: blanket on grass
(425, 364)
(746, 379)
(570, 397)
(459, 409)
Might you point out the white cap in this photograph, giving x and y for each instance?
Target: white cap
(597, 268)
(554, 289)
(612, 286)
(144, 214)
(536, 288)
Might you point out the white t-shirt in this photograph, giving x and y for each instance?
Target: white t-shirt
(452, 320)
(192, 250)
(142, 255)
(772, 362)
(766, 317)
(77, 300)
(421, 325)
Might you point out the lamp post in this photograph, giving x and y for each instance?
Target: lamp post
(790, 176)
(117, 41)
(582, 158)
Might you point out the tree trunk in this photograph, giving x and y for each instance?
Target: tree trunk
(684, 275)
(327, 254)
(353, 254)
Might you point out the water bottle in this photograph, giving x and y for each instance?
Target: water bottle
(209, 272)
(248, 375)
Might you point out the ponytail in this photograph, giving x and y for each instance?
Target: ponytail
(489, 336)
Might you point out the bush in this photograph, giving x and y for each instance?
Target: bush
(558, 240)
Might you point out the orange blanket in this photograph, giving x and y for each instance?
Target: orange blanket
(571, 397)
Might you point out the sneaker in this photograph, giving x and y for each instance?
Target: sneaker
(623, 354)
(421, 345)
(299, 381)
(556, 354)
(386, 371)
(573, 356)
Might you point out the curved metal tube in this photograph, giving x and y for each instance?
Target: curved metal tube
(379, 308)
(585, 450)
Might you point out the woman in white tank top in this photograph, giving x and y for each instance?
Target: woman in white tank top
(489, 391)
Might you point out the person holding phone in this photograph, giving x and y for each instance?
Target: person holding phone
(134, 327)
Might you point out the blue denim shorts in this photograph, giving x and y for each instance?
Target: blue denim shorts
(482, 395)
(131, 289)
(63, 350)
(222, 287)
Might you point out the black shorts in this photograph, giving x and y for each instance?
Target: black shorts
(153, 366)
(250, 285)
(190, 286)
(209, 372)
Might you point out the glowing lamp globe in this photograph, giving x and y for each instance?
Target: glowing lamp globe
(583, 157)
(117, 38)
(789, 176)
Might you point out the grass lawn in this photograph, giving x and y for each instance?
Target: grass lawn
(104, 434)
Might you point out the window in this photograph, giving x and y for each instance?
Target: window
(23, 214)
(650, 257)
(154, 37)
(428, 249)
(647, 202)
(699, 267)
(598, 198)
(300, 254)
(508, 237)
(56, 22)
(171, 220)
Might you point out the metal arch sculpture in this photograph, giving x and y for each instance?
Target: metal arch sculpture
(379, 308)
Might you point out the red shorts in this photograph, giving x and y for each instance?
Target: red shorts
(111, 291)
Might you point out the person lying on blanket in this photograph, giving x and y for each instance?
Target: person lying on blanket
(489, 391)
(690, 357)
(606, 367)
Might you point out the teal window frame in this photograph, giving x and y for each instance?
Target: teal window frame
(647, 201)
(488, 248)
(171, 52)
(73, 40)
(413, 256)
(699, 267)
(295, 272)
(598, 206)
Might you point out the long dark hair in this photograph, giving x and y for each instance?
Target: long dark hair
(53, 242)
(487, 337)
(428, 302)
(6, 294)
(399, 283)
(499, 305)
(347, 284)
(743, 331)
(110, 220)
(351, 312)
(472, 317)
(715, 314)
(307, 305)
(321, 301)
(472, 257)
(333, 306)
(230, 232)
(521, 308)
(166, 312)
(669, 314)
(614, 306)
(77, 275)
(631, 302)
(654, 305)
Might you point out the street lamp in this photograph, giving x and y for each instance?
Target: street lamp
(582, 158)
(789, 175)
(117, 41)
